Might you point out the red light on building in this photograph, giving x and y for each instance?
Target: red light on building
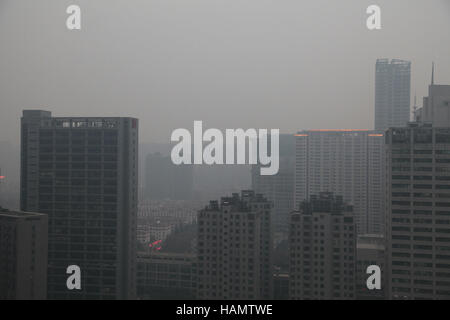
(156, 245)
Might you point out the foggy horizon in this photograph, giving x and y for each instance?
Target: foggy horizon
(169, 63)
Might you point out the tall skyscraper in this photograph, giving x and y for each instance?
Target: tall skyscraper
(392, 93)
(436, 107)
(165, 180)
(23, 255)
(349, 163)
(82, 172)
(279, 188)
(235, 255)
(418, 212)
(322, 250)
(418, 202)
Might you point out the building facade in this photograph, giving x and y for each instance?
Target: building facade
(322, 250)
(436, 106)
(392, 93)
(370, 251)
(23, 255)
(349, 163)
(235, 250)
(166, 276)
(82, 172)
(418, 212)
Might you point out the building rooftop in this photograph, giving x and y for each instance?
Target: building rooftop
(238, 202)
(18, 214)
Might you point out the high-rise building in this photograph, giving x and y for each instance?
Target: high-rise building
(322, 250)
(165, 180)
(279, 188)
(436, 107)
(82, 172)
(349, 163)
(392, 93)
(418, 201)
(418, 212)
(234, 247)
(23, 255)
(370, 251)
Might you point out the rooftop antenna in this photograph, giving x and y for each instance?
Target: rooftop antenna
(415, 108)
(432, 74)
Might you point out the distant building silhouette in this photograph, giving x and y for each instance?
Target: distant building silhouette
(279, 188)
(392, 93)
(165, 180)
(436, 106)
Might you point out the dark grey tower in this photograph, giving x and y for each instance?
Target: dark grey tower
(235, 255)
(82, 172)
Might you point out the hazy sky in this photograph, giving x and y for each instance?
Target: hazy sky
(285, 64)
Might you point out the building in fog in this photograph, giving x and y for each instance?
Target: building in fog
(392, 93)
(370, 250)
(23, 255)
(349, 163)
(166, 276)
(418, 213)
(235, 251)
(436, 107)
(82, 172)
(165, 180)
(279, 188)
(322, 250)
(418, 202)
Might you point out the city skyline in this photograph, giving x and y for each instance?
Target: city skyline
(220, 150)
